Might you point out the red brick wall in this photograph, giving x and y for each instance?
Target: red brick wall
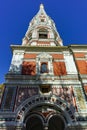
(30, 56)
(82, 66)
(43, 43)
(58, 56)
(79, 55)
(59, 68)
(29, 68)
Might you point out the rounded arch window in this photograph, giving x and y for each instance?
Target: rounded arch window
(43, 34)
(44, 68)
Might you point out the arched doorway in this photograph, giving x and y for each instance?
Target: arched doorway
(56, 123)
(34, 123)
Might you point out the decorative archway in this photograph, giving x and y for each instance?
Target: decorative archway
(35, 101)
(35, 122)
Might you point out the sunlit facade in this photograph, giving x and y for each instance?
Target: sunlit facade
(46, 85)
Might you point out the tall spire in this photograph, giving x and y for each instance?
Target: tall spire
(42, 28)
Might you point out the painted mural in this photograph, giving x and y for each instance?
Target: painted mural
(80, 98)
(66, 93)
(24, 93)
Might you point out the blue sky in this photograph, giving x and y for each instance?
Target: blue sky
(70, 17)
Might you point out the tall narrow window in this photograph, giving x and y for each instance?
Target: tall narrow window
(44, 68)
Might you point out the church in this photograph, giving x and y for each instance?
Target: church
(46, 85)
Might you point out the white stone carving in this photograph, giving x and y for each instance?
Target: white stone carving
(44, 57)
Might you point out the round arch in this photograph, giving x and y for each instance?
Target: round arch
(33, 102)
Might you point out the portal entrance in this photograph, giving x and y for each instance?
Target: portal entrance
(34, 123)
(56, 123)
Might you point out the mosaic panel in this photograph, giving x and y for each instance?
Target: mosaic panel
(80, 98)
(24, 93)
(66, 93)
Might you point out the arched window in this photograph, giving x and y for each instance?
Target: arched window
(43, 34)
(44, 68)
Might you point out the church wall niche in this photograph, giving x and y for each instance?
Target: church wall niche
(44, 67)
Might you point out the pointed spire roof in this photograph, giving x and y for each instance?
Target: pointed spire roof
(42, 20)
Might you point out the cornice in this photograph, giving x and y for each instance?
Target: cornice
(39, 49)
(76, 46)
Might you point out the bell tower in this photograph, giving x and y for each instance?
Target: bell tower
(46, 86)
(42, 31)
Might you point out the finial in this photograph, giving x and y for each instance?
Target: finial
(41, 6)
